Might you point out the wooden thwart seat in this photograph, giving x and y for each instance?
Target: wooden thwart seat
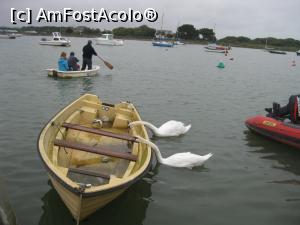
(89, 173)
(126, 137)
(96, 150)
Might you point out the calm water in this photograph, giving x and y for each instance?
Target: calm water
(248, 180)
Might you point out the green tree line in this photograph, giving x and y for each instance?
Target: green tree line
(288, 44)
(185, 32)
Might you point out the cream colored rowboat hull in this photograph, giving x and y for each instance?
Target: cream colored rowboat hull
(91, 163)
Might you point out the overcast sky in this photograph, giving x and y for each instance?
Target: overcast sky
(255, 18)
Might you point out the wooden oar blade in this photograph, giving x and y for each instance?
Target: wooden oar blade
(108, 65)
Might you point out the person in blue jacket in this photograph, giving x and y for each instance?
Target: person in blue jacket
(63, 62)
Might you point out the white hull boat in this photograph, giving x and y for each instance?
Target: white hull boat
(73, 74)
(178, 43)
(56, 40)
(163, 44)
(217, 47)
(216, 51)
(7, 36)
(108, 39)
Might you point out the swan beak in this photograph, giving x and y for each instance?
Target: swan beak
(187, 128)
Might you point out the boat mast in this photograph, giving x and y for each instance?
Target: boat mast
(176, 37)
(162, 23)
(214, 31)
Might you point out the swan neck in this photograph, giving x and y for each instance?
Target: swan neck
(159, 157)
(149, 125)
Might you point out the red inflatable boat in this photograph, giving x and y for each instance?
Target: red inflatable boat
(284, 132)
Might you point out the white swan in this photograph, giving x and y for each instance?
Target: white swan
(184, 159)
(168, 129)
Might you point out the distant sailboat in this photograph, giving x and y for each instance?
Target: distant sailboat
(277, 52)
(214, 47)
(266, 46)
(160, 40)
(273, 50)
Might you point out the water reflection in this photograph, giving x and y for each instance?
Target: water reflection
(87, 85)
(65, 86)
(7, 214)
(288, 157)
(129, 209)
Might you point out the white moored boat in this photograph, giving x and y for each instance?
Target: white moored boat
(7, 36)
(108, 39)
(57, 40)
(214, 46)
(72, 74)
(216, 51)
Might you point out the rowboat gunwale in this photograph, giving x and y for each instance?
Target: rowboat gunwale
(123, 183)
(72, 74)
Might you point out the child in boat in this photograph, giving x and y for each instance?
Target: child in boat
(62, 62)
(72, 62)
(291, 110)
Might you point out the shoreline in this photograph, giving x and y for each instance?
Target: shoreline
(196, 42)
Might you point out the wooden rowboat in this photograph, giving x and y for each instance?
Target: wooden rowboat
(91, 155)
(72, 74)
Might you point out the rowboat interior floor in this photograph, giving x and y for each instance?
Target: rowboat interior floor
(90, 163)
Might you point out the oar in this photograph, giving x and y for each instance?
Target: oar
(106, 63)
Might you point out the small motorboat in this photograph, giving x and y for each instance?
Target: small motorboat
(91, 155)
(57, 40)
(178, 42)
(284, 132)
(73, 74)
(7, 36)
(108, 39)
(298, 52)
(162, 44)
(277, 52)
(216, 47)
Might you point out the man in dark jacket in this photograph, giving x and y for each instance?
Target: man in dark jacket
(88, 52)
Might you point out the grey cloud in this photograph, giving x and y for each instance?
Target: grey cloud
(256, 18)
